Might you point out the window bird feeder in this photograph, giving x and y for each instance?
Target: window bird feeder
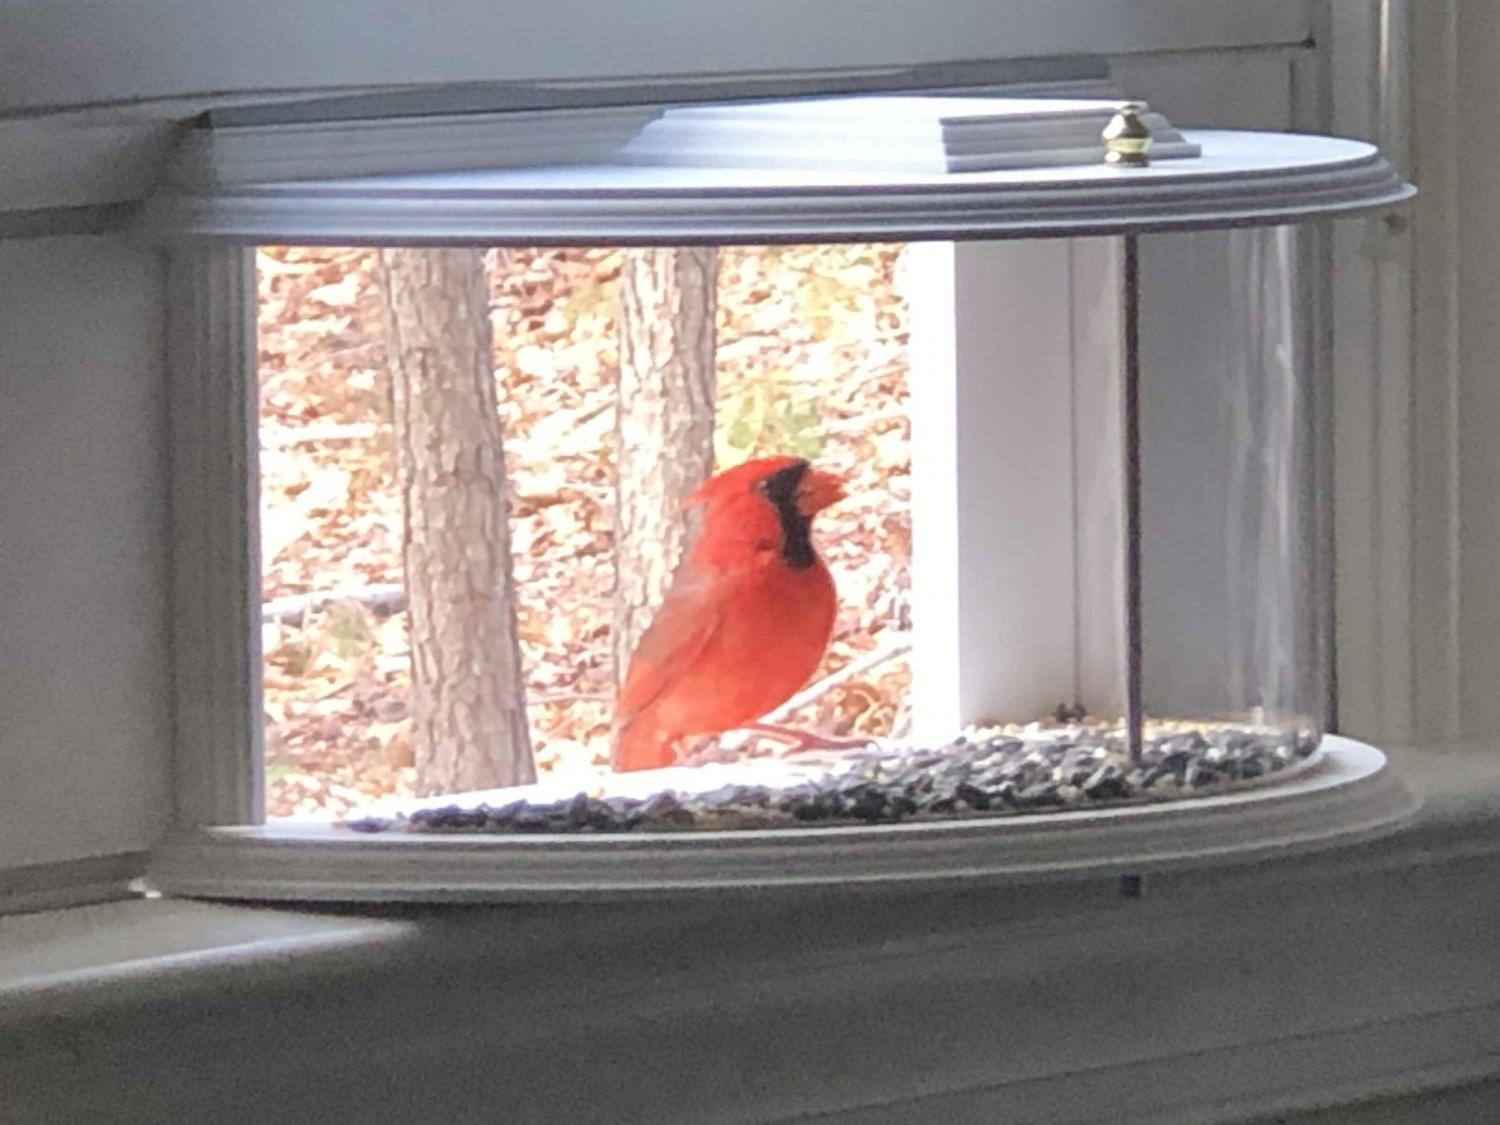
(1121, 590)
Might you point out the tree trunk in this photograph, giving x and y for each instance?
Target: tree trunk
(665, 431)
(469, 728)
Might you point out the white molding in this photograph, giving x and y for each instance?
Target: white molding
(211, 363)
(54, 886)
(1347, 792)
(1438, 137)
(1372, 582)
(1396, 432)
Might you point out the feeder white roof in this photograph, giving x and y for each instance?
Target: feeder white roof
(824, 169)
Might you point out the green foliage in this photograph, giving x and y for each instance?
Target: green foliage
(595, 294)
(348, 629)
(774, 414)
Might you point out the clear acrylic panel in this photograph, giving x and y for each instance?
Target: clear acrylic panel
(1231, 600)
(1226, 642)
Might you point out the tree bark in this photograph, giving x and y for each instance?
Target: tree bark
(665, 430)
(469, 726)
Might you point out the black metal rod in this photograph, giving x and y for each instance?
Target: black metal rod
(1130, 445)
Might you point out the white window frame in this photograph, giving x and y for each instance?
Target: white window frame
(213, 417)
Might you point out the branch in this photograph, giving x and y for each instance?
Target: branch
(854, 668)
(859, 422)
(384, 599)
(294, 607)
(321, 434)
(570, 697)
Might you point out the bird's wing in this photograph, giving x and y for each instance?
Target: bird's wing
(690, 616)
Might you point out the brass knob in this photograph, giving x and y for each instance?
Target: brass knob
(1127, 140)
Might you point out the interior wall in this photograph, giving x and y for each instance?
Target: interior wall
(72, 52)
(84, 726)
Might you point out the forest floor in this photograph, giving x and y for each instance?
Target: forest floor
(812, 359)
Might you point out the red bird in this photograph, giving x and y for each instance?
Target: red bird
(746, 621)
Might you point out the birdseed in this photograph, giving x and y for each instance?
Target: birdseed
(996, 771)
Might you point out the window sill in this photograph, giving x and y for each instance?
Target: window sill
(1219, 995)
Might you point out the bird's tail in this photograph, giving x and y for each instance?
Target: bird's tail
(640, 746)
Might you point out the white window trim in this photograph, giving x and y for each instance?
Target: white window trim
(213, 419)
(1396, 432)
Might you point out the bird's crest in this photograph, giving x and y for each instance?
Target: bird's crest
(740, 479)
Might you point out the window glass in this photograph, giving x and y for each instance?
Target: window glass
(806, 357)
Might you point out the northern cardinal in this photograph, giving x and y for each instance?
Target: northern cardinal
(745, 622)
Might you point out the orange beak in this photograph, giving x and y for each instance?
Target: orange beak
(817, 490)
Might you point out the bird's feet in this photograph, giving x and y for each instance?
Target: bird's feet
(737, 745)
(706, 751)
(800, 741)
